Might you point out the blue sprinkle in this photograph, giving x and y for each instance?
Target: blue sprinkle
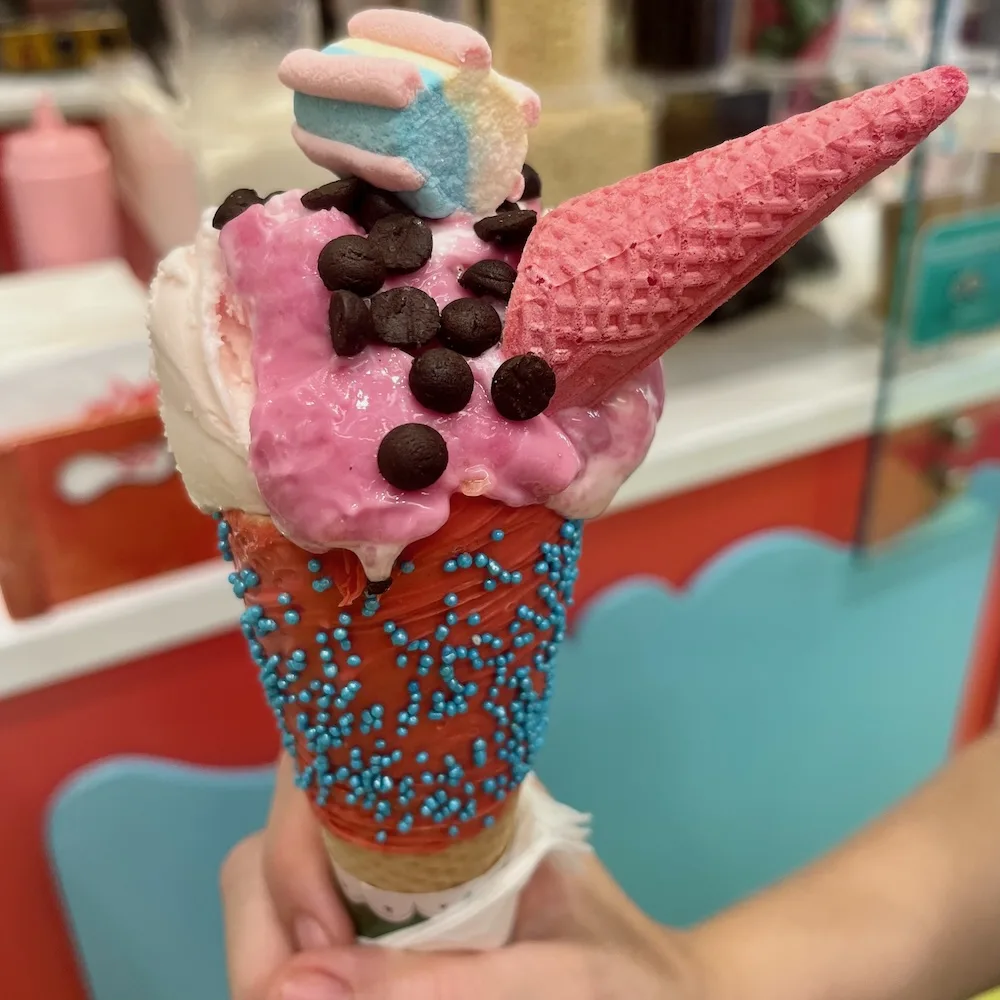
(498, 535)
(474, 619)
(354, 660)
(465, 560)
(482, 560)
(423, 757)
(401, 660)
(314, 565)
(321, 638)
(450, 566)
(284, 599)
(407, 567)
(451, 600)
(345, 619)
(400, 638)
(489, 585)
(292, 617)
(381, 837)
(451, 618)
(453, 831)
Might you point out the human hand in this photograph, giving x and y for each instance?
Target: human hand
(278, 894)
(577, 934)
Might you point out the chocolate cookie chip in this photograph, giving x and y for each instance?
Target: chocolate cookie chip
(523, 387)
(412, 457)
(405, 241)
(405, 317)
(377, 204)
(375, 588)
(470, 326)
(532, 183)
(342, 195)
(235, 205)
(351, 326)
(352, 263)
(508, 206)
(442, 381)
(489, 277)
(507, 228)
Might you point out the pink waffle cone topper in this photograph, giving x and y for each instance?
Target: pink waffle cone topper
(612, 279)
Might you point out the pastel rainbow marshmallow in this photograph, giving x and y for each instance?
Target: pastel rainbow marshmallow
(411, 104)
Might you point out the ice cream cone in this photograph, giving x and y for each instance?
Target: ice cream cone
(612, 279)
(413, 714)
(353, 371)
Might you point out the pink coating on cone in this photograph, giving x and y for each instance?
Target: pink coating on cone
(612, 279)
(383, 83)
(455, 44)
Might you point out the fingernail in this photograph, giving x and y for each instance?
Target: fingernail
(309, 934)
(314, 986)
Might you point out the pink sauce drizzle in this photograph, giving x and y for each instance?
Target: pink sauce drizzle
(319, 419)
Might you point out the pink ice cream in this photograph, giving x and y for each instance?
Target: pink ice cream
(318, 419)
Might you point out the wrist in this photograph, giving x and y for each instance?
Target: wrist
(675, 959)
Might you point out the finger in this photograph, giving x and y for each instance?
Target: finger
(298, 871)
(522, 972)
(256, 943)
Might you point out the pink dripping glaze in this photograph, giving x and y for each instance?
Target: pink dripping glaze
(318, 419)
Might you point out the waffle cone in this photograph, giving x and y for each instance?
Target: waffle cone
(414, 729)
(422, 873)
(611, 279)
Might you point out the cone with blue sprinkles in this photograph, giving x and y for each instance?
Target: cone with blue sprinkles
(415, 713)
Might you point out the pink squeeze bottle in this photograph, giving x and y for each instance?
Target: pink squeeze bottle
(59, 186)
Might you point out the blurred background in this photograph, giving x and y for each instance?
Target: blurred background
(803, 579)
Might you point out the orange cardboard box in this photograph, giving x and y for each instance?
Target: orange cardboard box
(93, 506)
(89, 496)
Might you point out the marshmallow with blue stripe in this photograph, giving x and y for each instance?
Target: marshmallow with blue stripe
(412, 105)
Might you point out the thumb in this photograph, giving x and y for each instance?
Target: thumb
(297, 870)
(520, 972)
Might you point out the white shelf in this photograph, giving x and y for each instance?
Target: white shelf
(783, 387)
(782, 384)
(115, 626)
(78, 94)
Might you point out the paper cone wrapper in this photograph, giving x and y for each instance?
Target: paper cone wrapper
(414, 713)
(482, 913)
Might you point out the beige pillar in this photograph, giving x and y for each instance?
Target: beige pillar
(592, 132)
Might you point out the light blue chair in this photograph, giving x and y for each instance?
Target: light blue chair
(721, 736)
(136, 846)
(725, 735)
